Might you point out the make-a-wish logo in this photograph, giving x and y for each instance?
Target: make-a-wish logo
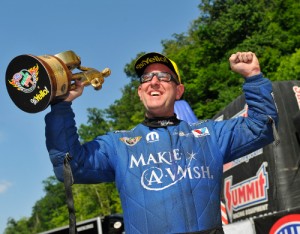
(168, 169)
(25, 80)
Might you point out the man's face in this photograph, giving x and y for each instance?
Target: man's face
(157, 96)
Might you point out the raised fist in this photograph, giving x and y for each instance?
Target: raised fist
(244, 63)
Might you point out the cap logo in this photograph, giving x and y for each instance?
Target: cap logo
(155, 59)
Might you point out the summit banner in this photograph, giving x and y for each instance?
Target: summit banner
(267, 180)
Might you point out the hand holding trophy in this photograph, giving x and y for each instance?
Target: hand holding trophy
(34, 82)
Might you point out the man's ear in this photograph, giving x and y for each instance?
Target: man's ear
(179, 91)
(139, 91)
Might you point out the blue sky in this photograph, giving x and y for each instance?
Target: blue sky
(104, 33)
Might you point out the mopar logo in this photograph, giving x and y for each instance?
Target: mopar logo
(152, 137)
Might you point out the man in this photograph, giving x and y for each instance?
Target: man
(168, 172)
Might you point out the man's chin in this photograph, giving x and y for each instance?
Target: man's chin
(156, 111)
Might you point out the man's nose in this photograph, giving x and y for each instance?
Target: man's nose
(155, 80)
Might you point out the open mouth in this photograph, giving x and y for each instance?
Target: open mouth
(154, 93)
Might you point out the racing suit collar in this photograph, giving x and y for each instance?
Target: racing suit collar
(161, 121)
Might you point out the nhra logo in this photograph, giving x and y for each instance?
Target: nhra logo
(247, 193)
(289, 224)
(25, 80)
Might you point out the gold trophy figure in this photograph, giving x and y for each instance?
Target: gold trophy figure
(34, 82)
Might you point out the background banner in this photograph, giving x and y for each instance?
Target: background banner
(267, 180)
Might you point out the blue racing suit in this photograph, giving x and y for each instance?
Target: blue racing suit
(168, 172)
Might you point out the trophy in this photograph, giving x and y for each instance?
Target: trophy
(35, 82)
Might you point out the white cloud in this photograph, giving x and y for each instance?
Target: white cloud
(4, 185)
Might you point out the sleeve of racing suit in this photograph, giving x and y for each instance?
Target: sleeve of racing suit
(243, 135)
(89, 162)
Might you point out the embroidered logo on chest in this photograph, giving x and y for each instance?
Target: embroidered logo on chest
(200, 132)
(131, 141)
